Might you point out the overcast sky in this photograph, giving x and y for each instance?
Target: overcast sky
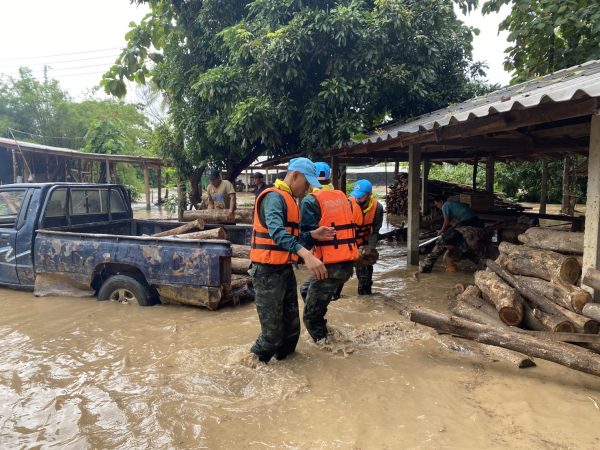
(80, 39)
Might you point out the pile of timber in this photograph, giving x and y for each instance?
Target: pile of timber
(397, 197)
(219, 216)
(527, 302)
(240, 287)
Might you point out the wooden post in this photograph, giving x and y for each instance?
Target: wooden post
(107, 163)
(425, 186)
(147, 186)
(159, 181)
(414, 166)
(15, 166)
(475, 167)
(343, 178)
(335, 172)
(544, 187)
(396, 168)
(166, 183)
(591, 240)
(489, 174)
(566, 192)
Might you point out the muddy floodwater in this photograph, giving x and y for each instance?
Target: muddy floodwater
(78, 373)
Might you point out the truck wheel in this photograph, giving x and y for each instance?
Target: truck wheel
(125, 289)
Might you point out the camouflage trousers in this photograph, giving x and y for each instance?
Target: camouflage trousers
(365, 279)
(276, 299)
(317, 294)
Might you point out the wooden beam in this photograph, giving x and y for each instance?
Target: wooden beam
(489, 174)
(335, 172)
(475, 168)
(544, 187)
(425, 187)
(107, 164)
(414, 166)
(159, 180)
(147, 187)
(591, 242)
(344, 177)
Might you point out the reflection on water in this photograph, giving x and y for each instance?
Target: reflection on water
(78, 373)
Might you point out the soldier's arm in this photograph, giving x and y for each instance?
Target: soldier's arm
(273, 212)
(377, 223)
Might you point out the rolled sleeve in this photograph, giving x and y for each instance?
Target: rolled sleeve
(310, 215)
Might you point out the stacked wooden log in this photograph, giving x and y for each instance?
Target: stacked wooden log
(220, 216)
(527, 301)
(241, 283)
(397, 197)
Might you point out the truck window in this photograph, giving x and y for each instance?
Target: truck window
(117, 205)
(10, 203)
(57, 204)
(89, 201)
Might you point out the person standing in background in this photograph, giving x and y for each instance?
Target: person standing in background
(221, 194)
(259, 183)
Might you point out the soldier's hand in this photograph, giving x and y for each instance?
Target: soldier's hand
(314, 265)
(323, 233)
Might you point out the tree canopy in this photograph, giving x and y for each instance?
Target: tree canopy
(548, 35)
(277, 76)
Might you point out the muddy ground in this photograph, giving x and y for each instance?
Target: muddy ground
(78, 373)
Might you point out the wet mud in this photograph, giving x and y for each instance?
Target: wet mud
(78, 373)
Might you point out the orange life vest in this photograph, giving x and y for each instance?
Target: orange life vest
(336, 212)
(263, 248)
(363, 221)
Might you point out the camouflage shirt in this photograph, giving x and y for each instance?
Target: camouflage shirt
(474, 247)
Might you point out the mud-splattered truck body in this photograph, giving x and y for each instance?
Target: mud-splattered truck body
(82, 240)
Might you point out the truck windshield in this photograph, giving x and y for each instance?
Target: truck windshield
(10, 203)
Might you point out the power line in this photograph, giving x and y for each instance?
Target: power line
(45, 137)
(59, 62)
(60, 54)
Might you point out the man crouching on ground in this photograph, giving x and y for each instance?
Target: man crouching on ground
(275, 247)
(327, 207)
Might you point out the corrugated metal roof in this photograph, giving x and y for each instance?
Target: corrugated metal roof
(574, 83)
(67, 152)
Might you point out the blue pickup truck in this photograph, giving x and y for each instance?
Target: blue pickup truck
(81, 240)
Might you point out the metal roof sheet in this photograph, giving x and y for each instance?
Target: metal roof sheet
(573, 83)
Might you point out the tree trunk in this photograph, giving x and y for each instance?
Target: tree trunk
(507, 300)
(197, 224)
(240, 265)
(537, 319)
(239, 281)
(592, 310)
(195, 189)
(240, 251)
(558, 352)
(565, 295)
(592, 278)
(470, 305)
(215, 233)
(543, 264)
(549, 239)
(219, 216)
(538, 300)
(490, 352)
(582, 323)
(566, 186)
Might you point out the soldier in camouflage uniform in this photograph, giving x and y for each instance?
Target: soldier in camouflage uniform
(456, 244)
(276, 244)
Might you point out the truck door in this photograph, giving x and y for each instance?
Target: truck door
(10, 206)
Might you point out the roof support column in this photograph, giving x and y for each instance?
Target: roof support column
(425, 187)
(591, 242)
(159, 181)
(475, 167)
(489, 174)
(414, 166)
(544, 187)
(335, 172)
(343, 177)
(147, 186)
(107, 165)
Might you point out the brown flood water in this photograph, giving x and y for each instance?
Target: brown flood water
(78, 373)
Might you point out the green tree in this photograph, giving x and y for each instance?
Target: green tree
(548, 35)
(245, 78)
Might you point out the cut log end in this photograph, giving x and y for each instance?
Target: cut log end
(511, 316)
(570, 270)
